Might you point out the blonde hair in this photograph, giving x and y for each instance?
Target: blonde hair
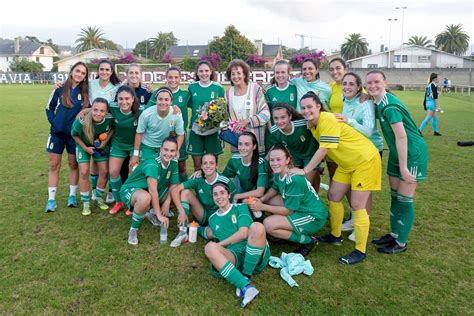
(88, 122)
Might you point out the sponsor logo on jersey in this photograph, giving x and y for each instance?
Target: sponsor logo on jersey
(180, 99)
(79, 97)
(212, 95)
(292, 97)
(217, 227)
(234, 219)
(142, 99)
(359, 185)
(135, 123)
(195, 94)
(201, 191)
(302, 138)
(274, 99)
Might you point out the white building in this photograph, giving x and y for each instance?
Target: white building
(11, 50)
(411, 56)
(64, 65)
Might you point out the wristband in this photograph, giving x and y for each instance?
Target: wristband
(135, 152)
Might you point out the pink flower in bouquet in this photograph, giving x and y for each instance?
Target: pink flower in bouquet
(204, 115)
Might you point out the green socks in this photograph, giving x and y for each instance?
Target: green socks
(185, 205)
(93, 178)
(406, 214)
(252, 256)
(202, 231)
(85, 197)
(300, 238)
(99, 193)
(394, 226)
(137, 220)
(115, 185)
(233, 276)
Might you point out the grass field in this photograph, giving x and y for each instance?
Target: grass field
(66, 263)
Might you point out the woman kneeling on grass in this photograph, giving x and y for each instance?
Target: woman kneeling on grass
(240, 248)
(85, 132)
(200, 203)
(148, 186)
(358, 170)
(297, 210)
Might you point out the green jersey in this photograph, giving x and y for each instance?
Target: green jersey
(180, 99)
(203, 190)
(391, 110)
(200, 95)
(156, 128)
(105, 126)
(125, 127)
(361, 116)
(224, 225)
(300, 142)
(275, 95)
(237, 168)
(138, 178)
(299, 195)
(167, 175)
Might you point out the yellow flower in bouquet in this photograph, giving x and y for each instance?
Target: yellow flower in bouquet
(210, 115)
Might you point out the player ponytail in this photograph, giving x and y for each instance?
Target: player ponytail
(255, 157)
(285, 150)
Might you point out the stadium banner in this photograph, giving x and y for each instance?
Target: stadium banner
(154, 77)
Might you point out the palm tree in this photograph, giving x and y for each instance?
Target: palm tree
(422, 41)
(354, 46)
(453, 40)
(161, 42)
(90, 37)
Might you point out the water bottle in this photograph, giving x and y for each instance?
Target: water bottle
(193, 228)
(163, 234)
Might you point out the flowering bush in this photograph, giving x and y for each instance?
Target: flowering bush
(127, 58)
(255, 60)
(167, 58)
(210, 115)
(214, 58)
(297, 59)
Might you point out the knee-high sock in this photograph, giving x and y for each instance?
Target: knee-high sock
(336, 215)
(300, 238)
(252, 256)
(435, 123)
(93, 178)
(394, 215)
(99, 193)
(425, 122)
(406, 210)
(115, 185)
(233, 276)
(361, 228)
(85, 197)
(137, 220)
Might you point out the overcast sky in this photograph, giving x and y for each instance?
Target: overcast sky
(273, 21)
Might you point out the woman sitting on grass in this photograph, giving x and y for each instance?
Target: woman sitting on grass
(240, 248)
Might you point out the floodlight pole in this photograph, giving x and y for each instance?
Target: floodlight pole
(403, 20)
(390, 41)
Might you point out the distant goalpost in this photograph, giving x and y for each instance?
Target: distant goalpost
(150, 72)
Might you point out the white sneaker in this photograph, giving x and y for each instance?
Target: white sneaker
(93, 196)
(110, 198)
(182, 237)
(352, 237)
(133, 236)
(151, 216)
(348, 225)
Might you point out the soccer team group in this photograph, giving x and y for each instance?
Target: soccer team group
(138, 141)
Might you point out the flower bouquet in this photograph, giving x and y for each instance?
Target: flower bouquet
(210, 116)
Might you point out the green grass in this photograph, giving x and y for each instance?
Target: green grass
(65, 263)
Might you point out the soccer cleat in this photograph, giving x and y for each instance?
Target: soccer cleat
(437, 134)
(182, 237)
(330, 239)
(101, 204)
(86, 210)
(238, 291)
(133, 236)
(384, 240)
(71, 201)
(393, 248)
(170, 213)
(110, 198)
(128, 212)
(348, 225)
(50, 206)
(353, 257)
(305, 249)
(117, 208)
(352, 236)
(151, 216)
(248, 293)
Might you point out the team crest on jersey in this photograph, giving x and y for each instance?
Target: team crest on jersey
(80, 155)
(79, 97)
(142, 99)
(190, 147)
(168, 175)
(212, 95)
(292, 97)
(180, 99)
(51, 145)
(302, 138)
(135, 123)
(234, 219)
(171, 123)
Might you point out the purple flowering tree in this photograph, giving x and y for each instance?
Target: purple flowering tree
(255, 60)
(126, 58)
(214, 58)
(297, 59)
(167, 58)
